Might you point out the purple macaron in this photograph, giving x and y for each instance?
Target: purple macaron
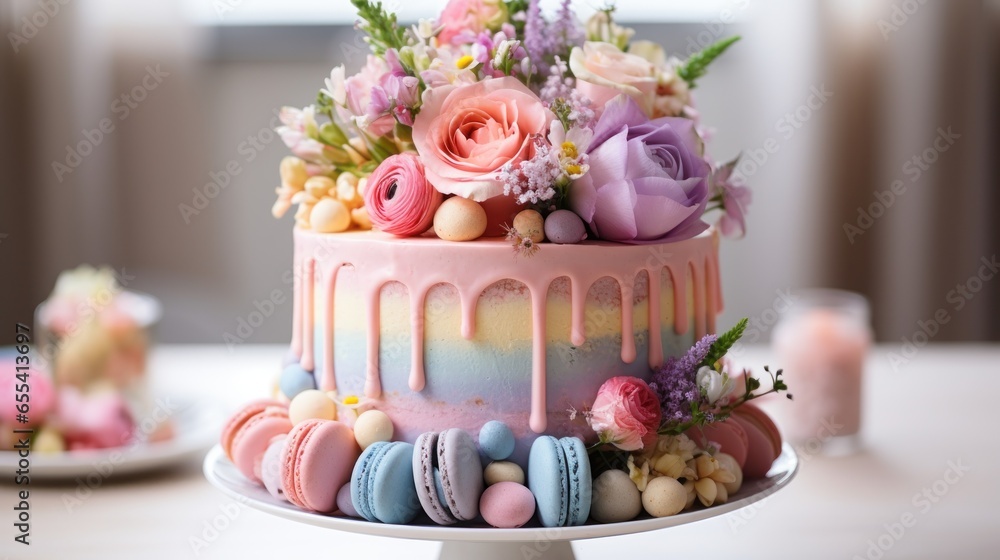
(448, 475)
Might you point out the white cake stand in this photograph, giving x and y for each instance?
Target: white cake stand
(488, 543)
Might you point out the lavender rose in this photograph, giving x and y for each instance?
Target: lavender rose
(648, 181)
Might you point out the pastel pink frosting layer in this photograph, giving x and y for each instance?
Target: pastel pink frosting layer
(563, 284)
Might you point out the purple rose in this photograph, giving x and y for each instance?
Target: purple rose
(648, 181)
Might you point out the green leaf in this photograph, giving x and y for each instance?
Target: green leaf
(696, 66)
(381, 26)
(724, 343)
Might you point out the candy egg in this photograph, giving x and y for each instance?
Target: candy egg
(615, 498)
(361, 219)
(295, 379)
(372, 426)
(507, 505)
(728, 462)
(664, 496)
(503, 471)
(320, 185)
(496, 440)
(563, 226)
(459, 219)
(311, 403)
(49, 440)
(529, 224)
(330, 216)
(293, 172)
(347, 190)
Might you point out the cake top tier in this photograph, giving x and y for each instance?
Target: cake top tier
(499, 120)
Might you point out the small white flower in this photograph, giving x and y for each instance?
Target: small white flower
(713, 385)
(335, 86)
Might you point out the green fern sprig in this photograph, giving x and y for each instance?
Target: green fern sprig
(725, 341)
(696, 66)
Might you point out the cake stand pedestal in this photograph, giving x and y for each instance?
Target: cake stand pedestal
(481, 542)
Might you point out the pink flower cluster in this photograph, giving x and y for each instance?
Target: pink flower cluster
(515, 109)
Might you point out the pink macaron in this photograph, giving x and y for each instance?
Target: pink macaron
(318, 459)
(729, 435)
(237, 420)
(764, 439)
(250, 440)
(507, 505)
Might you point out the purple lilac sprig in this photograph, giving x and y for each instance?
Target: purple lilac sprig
(683, 384)
(674, 383)
(532, 181)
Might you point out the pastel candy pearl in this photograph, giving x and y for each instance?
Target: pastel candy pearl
(564, 226)
(728, 462)
(507, 505)
(320, 186)
(295, 379)
(459, 219)
(344, 503)
(503, 471)
(529, 223)
(664, 496)
(372, 426)
(615, 498)
(311, 403)
(496, 440)
(330, 216)
(49, 440)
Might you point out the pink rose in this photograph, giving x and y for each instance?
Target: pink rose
(466, 133)
(626, 413)
(603, 71)
(399, 198)
(470, 18)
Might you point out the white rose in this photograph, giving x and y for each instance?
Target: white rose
(713, 384)
(603, 71)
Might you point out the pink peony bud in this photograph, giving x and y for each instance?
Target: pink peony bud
(626, 413)
(399, 198)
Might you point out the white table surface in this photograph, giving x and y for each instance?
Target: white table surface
(939, 408)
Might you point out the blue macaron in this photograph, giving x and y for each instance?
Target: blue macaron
(580, 480)
(382, 487)
(548, 481)
(560, 478)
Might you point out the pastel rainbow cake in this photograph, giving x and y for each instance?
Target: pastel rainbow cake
(444, 334)
(506, 285)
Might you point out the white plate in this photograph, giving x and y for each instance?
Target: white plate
(196, 427)
(223, 475)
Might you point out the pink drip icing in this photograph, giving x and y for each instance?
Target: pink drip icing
(679, 282)
(655, 340)
(417, 379)
(538, 419)
(578, 295)
(297, 307)
(329, 278)
(628, 337)
(373, 383)
(472, 267)
(699, 301)
(308, 324)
